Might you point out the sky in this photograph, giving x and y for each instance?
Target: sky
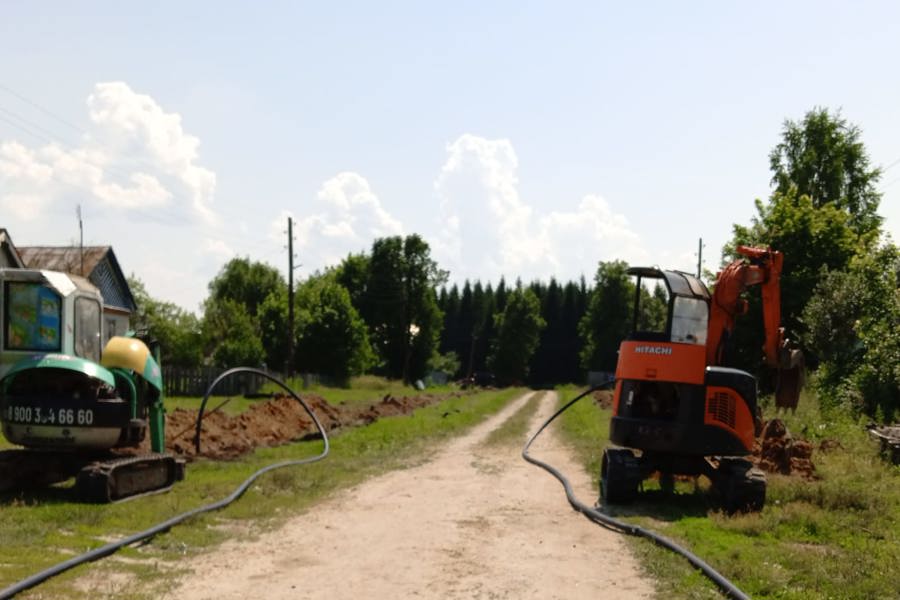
(521, 139)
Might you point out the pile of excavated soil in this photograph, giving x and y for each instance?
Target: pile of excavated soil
(777, 451)
(604, 399)
(277, 421)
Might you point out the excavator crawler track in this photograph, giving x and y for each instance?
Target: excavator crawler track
(125, 478)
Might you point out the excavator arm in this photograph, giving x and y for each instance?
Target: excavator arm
(757, 266)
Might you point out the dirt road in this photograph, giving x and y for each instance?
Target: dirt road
(475, 522)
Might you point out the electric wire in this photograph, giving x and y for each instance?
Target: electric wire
(600, 518)
(164, 526)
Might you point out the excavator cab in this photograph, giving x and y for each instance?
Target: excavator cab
(672, 412)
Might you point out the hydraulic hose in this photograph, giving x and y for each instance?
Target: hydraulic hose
(595, 515)
(113, 547)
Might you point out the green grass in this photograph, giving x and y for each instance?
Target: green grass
(42, 528)
(363, 390)
(836, 537)
(514, 429)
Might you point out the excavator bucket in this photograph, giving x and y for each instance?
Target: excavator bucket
(789, 380)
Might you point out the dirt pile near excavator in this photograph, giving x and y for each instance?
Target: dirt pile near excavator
(777, 451)
(277, 421)
(604, 399)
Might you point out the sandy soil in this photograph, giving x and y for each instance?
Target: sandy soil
(473, 522)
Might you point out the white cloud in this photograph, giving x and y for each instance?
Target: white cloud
(489, 230)
(218, 249)
(347, 217)
(133, 156)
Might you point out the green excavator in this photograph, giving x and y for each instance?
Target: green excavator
(74, 410)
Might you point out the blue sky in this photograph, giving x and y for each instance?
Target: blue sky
(523, 139)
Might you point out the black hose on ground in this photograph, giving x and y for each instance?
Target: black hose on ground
(595, 515)
(113, 547)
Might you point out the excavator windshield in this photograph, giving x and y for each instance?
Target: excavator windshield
(677, 310)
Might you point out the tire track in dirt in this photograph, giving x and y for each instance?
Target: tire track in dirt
(474, 522)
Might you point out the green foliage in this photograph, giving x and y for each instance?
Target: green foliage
(231, 322)
(518, 333)
(839, 290)
(853, 321)
(470, 332)
(654, 310)
(401, 305)
(607, 320)
(353, 274)
(177, 330)
(445, 363)
(246, 282)
(231, 335)
(810, 237)
(332, 337)
(272, 318)
(823, 158)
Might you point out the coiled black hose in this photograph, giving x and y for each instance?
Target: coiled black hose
(113, 547)
(728, 588)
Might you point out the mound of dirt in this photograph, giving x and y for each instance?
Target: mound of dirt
(603, 399)
(779, 452)
(277, 421)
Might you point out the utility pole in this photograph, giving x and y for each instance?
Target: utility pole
(699, 257)
(290, 365)
(80, 238)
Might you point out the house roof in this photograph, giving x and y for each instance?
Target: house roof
(9, 251)
(100, 266)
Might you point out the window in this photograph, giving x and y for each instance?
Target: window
(653, 309)
(33, 317)
(689, 320)
(87, 328)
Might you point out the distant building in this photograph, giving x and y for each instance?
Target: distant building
(9, 256)
(99, 265)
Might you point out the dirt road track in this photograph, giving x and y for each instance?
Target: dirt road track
(474, 522)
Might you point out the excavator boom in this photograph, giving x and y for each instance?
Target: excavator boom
(758, 266)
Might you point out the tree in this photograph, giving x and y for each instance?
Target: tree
(547, 364)
(573, 310)
(245, 282)
(353, 274)
(332, 338)
(404, 318)
(177, 330)
(231, 320)
(272, 319)
(852, 323)
(231, 335)
(823, 158)
(518, 333)
(607, 319)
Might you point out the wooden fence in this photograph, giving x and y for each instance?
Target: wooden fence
(194, 381)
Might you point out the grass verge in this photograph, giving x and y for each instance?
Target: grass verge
(515, 428)
(42, 528)
(836, 537)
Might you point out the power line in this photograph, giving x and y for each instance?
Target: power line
(891, 166)
(34, 104)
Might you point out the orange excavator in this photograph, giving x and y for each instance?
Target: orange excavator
(678, 410)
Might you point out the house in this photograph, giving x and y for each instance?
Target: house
(99, 265)
(9, 256)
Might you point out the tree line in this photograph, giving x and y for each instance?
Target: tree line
(390, 310)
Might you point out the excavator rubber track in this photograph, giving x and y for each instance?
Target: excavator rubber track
(128, 477)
